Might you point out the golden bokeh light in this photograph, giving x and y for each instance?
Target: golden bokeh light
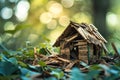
(55, 33)
(56, 8)
(9, 26)
(46, 17)
(64, 20)
(32, 37)
(52, 24)
(82, 17)
(67, 3)
(17, 33)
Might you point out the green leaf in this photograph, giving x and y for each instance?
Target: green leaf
(35, 68)
(13, 60)
(11, 77)
(57, 73)
(76, 74)
(84, 64)
(22, 64)
(42, 64)
(93, 74)
(103, 67)
(3, 57)
(26, 73)
(7, 68)
(51, 78)
(4, 48)
(43, 51)
(95, 67)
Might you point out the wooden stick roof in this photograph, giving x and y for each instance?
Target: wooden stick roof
(88, 31)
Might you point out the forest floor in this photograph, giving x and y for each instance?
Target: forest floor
(42, 63)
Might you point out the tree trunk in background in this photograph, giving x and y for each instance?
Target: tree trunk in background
(100, 9)
(1, 27)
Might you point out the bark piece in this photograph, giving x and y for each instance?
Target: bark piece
(70, 65)
(64, 60)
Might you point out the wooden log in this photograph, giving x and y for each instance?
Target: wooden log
(90, 49)
(97, 33)
(52, 62)
(83, 54)
(101, 37)
(70, 38)
(85, 33)
(71, 64)
(85, 50)
(62, 44)
(82, 47)
(65, 52)
(64, 60)
(79, 40)
(83, 57)
(80, 43)
(62, 51)
(82, 33)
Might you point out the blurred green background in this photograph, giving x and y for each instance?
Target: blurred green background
(39, 21)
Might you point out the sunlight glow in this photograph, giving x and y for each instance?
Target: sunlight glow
(6, 36)
(80, 17)
(56, 8)
(9, 26)
(64, 20)
(52, 24)
(112, 19)
(17, 34)
(46, 17)
(6, 13)
(55, 34)
(22, 10)
(32, 37)
(67, 3)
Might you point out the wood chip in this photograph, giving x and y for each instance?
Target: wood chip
(70, 65)
(64, 60)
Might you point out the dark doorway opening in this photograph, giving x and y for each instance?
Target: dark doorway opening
(74, 53)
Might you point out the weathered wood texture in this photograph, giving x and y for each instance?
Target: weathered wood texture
(81, 41)
(87, 31)
(65, 53)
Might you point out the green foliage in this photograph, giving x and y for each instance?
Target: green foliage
(42, 64)
(57, 73)
(18, 65)
(7, 68)
(18, 28)
(76, 74)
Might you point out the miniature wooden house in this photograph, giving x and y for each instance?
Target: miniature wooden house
(81, 41)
